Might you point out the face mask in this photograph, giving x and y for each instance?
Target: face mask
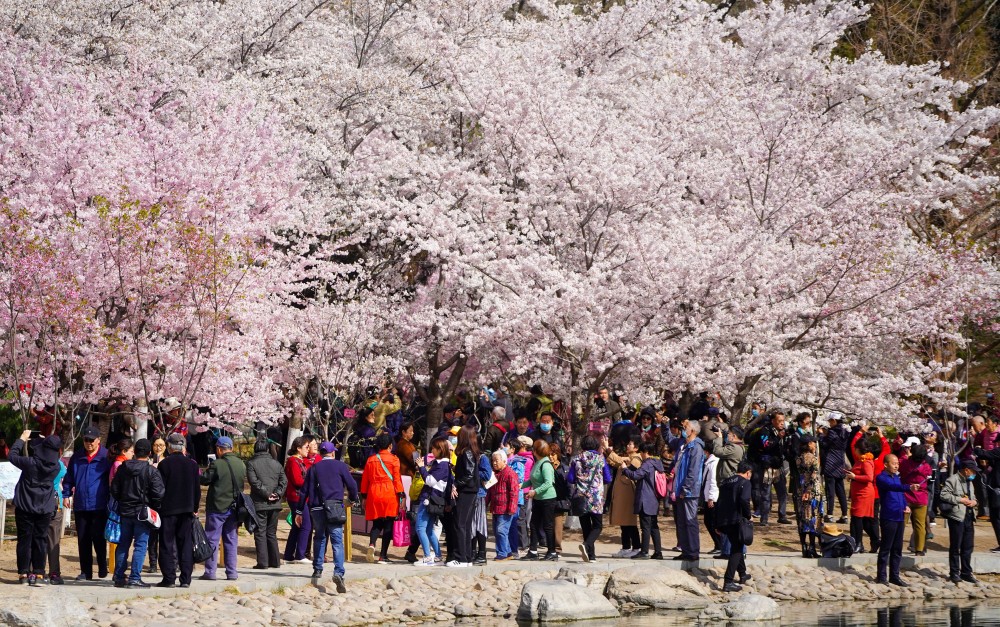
(972, 477)
(453, 441)
(545, 427)
(647, 428)
(754, 413)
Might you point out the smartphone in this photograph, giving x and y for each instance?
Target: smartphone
(416, 456)
(211, 457)
(35, 434)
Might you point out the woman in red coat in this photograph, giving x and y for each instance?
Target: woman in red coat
(296, 467)
(382, 488)
(863, 494)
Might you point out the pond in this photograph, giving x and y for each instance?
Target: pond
(828, 614)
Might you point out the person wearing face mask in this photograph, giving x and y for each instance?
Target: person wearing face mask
(958, 504)
(546, 429)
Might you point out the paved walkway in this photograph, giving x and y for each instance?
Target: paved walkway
(100, 592)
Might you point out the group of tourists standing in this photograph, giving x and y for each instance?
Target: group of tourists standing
(510, 478)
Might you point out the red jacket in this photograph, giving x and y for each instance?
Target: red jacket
(501, 498)
(863, 492)
(295, 470)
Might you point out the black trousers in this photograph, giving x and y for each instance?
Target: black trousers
(890, 551)
(961, 536)
(835, 487)
(32, 541)
(860, 526)
(630, 537)
(381, 527)
(448, 527)
(762, 501)
(543, 524)
(90, 541)
(55, 537)
(737, 560)
(265, 538)
(591, 525)
(176, 547)
(713, 531)
(464, 510)
(650, 528)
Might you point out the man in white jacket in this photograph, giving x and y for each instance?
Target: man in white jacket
(710, 494)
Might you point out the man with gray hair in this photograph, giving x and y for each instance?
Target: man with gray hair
(688, 474)
(179, 506)
(493, 439)
(501, 499)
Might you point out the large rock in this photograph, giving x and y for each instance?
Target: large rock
(595, 580)
(35, 609)
(554, 601)
(748, 608)
(657, 587)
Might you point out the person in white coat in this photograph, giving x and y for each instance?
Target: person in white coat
(710, 494)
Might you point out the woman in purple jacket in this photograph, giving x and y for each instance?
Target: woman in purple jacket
(914, 470)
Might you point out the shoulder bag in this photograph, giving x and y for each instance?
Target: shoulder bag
(246, 513)
(335, 512)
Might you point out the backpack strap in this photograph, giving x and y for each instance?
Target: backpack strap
(379, 458)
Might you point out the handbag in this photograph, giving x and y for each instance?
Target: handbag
(246, 513)
(746, 532)
(113, 528)
(201, 547)
(401, 532)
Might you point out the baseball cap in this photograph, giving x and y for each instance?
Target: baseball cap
(224, 442)
(325, 448)
(910, 441)
(91, 433)
(175, 439)
(142, 448)
(525, 440)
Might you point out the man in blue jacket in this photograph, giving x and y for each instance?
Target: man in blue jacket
(328, 480)
(687, 488)
(891, 516)
(85, 489)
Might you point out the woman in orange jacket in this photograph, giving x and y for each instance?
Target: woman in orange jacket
(863, 495)
(382, 488)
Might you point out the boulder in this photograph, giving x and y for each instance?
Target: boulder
(750, 608)
(659, 588)
(596, 581)
(36, 609)
(560, 600)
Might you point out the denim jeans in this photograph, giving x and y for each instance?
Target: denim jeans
(322, 532)
(137, 530)
(425, 532)
(501, 532)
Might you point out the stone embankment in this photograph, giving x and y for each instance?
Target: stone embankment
(443, 596)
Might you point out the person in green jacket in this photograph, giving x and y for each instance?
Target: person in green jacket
(543, 495)
(221, 522)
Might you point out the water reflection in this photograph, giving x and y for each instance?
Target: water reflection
(834, 614)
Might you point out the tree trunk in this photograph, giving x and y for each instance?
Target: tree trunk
(742, 396)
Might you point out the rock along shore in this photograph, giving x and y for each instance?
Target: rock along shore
(440, 595)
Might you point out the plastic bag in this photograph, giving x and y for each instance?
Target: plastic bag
(199, 542)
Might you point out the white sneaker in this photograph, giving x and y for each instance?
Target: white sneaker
(370, 555)
(457, 564)
(301, 561)
(623, 553)
(634, 552)
(427, 561)
(583, 554)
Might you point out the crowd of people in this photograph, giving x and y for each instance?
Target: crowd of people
(513, 474)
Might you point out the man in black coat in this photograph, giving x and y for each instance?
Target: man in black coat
(833, 447)
(180, 503)
(732, 512)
